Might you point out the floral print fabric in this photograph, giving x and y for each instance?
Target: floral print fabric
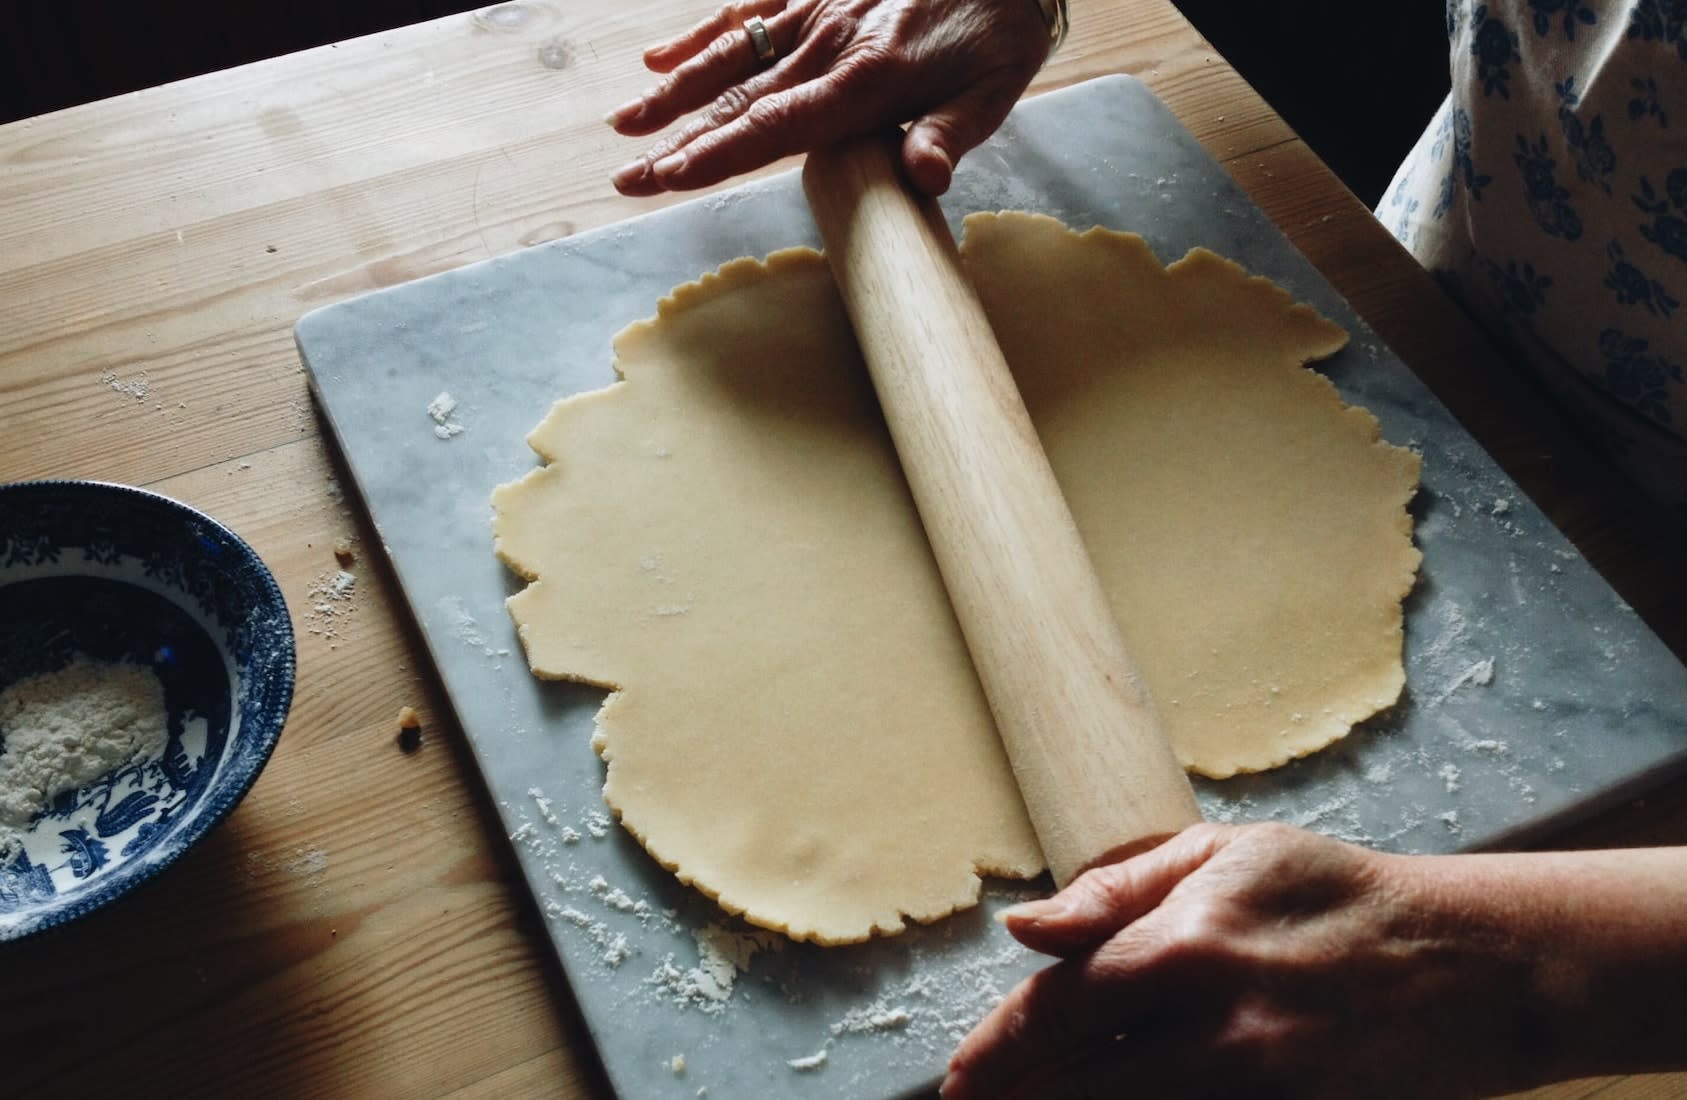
(1549, 195)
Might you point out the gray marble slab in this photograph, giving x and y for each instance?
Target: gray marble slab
(1533, 691)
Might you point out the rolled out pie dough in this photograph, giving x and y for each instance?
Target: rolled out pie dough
(724, 540)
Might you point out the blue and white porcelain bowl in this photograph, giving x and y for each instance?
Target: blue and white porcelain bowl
(116, 574)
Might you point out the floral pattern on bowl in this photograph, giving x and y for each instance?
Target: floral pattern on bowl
(114, 573)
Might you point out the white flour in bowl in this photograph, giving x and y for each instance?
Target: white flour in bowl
(61, 730)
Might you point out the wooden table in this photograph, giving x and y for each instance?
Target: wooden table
(358, 926)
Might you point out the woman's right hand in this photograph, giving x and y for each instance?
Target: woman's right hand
(842, 68)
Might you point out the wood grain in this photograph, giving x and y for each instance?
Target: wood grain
(357, 927)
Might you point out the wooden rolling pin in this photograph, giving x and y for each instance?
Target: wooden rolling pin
(1091, 758)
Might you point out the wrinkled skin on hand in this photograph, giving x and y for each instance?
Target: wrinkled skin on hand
(951, 68)
(1260, 961)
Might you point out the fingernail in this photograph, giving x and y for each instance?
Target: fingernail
(624, 112)
(1030, 912)
(629, 175)
(669, 164)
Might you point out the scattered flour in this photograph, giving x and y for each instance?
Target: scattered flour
(613, 946)
(575, 917)
(1450, 775)
(1453, 633)
(721, 956)
(1321, 815)
(544, 805)
(467, 628)
(809, 1064)
(737, 949)
(61, 730)
(330, 604)
(463, 624)
(918, 1018)
(138, 386)
(308, 862)
(698, 986)
(875, 1018)
(440, 410)
(1480, 673)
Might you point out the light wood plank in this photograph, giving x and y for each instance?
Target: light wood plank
(1662, 1086)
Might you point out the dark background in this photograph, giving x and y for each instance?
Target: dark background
(1357, 83)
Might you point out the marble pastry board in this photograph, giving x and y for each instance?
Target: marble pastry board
(1533, 694)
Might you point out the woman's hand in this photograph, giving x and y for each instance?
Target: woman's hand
(1265, 961)
(841, 68)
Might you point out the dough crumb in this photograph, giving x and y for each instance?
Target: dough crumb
(676, 1065)
(409, 729)
(343, 552)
